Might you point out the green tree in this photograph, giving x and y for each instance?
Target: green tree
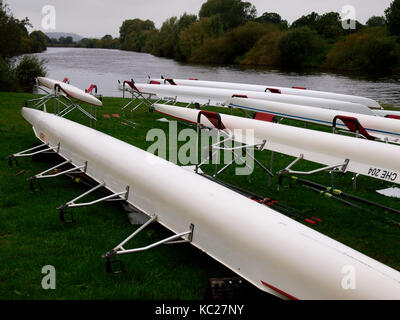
(266, 51)
(65, 40)
(328, 25)
(376, 21)
(306, 21)
(392, 15)
(370, 50)
(300, 47)
(167, 40)
(230, 48)
(11, 33)
(39, 40)
(233, 13)
(193, 37)
(132, 33)
(186, 20)
(272, 18)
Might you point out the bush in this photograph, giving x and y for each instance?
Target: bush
(231, 47)
(265, 52)
(300, 47)
(8, 79)
(192, 38)
(27, 69)
(370, 50)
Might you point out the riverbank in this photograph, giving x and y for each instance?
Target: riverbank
(31, 235)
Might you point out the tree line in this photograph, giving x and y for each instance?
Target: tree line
(231, 32)
(18, 74)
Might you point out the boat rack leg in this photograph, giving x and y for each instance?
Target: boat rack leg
(172, 101)
(38, 102)
(354, 179)
(138, 96)
(120, 250)
(211, 153)
(71, 204)
(44, 174)
(340, 168)
(244, 148)
(72, 106)
(128, 104)
(31, 152)
(135, 97)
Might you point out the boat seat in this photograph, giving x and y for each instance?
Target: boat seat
(353, 125)
(263, 116)
(213, 117)
(392, 116)
(273, 90)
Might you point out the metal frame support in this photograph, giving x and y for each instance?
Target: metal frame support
(354, 179)
(42, 175)
(287, 170)
(120, 250)
(339, 168)
(135, 95)
(69, 105)
(71, 204)
(216, 148)
(24, 153)
(244, 148)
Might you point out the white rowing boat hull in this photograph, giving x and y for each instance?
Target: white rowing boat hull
(284, 90)
(220, 229)
(70, 90)
(373, 159)
(272, 251)
(217, 97)
(254, 241)
(377, 126)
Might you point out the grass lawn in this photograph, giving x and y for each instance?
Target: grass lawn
(31, 235)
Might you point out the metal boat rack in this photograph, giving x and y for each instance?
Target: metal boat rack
(183, 237)
(64, 168)
(114, 196)
(136, 96)
(42, 148)
(59, 169)
(216, 148)
(139, 98)
(62, 103)
(337, 168)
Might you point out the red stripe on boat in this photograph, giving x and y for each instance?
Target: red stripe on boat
(301, 88)
(279, 291)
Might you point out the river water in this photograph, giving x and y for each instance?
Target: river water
(104, 67)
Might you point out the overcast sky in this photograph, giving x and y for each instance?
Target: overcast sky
(95, 18)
